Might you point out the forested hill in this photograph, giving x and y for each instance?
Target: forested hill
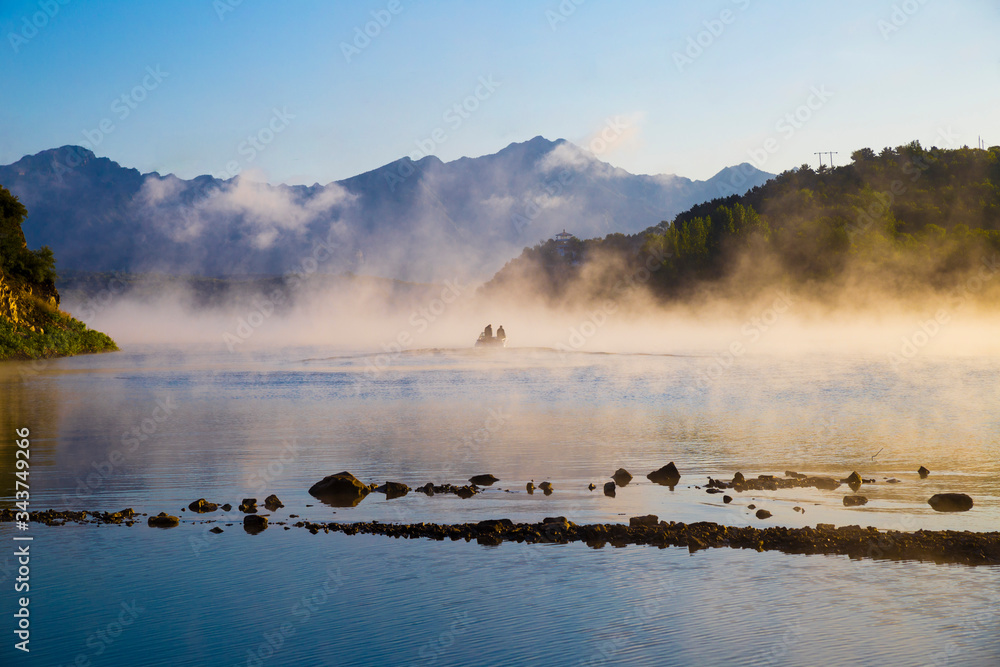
(900, 221)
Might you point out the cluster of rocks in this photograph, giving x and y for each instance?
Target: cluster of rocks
(666, 476)
(791, 480)
(942, 546)
(247, 505)
(466, 491)
(345, 490)
(52, 517)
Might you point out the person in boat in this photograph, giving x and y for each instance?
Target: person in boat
(501, 335)
(488, 331)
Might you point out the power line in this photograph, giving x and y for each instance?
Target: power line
(822, 153)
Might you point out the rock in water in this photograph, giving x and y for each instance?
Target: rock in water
(763, 514)
(854, 501)
(393, 490)
(738, 478)
(950, 502)
(254, 523)
(340, 490)
(666, 476)
(530, 487)
(201, 506)
(483, 480)
(923, 472)
(854, 481)
(592, 486)
(546, 488)
(163, 520)
(215, 530)
(727, 499)
(622, 477)
(248, 506)
(272, 503)
(648, 520)
(609, 489)
(227, 507)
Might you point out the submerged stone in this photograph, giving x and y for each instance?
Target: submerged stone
(855, 501)
(622, 477)
(853, 480)
(950, 502)
(665, 476)
(254, 523)
(163, 520)
(647, 520)
(393, 490)
(340, 490)
(248, 506)
(201, 506)
(483, 480)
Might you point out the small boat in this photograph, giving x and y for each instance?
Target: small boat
(487, 339)
(492, 341)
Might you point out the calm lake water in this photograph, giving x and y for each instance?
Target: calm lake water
(154, 428)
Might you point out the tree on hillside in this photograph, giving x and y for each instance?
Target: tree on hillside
(16, 260)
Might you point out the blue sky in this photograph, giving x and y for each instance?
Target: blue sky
(200, 78)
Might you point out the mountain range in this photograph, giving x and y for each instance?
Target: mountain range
(413, 220)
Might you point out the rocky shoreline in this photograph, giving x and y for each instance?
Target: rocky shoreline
(939, 546)
(345, 490)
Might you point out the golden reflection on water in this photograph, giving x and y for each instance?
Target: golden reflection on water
(26, 402)
(242, 426)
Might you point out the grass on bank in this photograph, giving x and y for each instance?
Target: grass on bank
(62, 336)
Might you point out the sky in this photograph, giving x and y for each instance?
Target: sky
(307, 92)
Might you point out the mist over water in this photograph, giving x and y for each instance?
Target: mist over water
(375, 316)
(158, 425)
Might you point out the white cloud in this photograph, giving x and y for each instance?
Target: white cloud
(266, 212)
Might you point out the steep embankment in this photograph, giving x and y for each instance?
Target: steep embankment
(31, 324)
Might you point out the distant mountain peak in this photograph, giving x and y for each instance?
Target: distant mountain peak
(414, 220)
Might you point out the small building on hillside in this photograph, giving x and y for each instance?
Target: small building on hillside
(562, 240)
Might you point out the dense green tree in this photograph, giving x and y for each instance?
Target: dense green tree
(16, 260)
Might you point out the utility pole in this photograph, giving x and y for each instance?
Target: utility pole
(820, 154)
(831, 154)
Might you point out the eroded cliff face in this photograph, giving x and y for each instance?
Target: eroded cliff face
(27, 306)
